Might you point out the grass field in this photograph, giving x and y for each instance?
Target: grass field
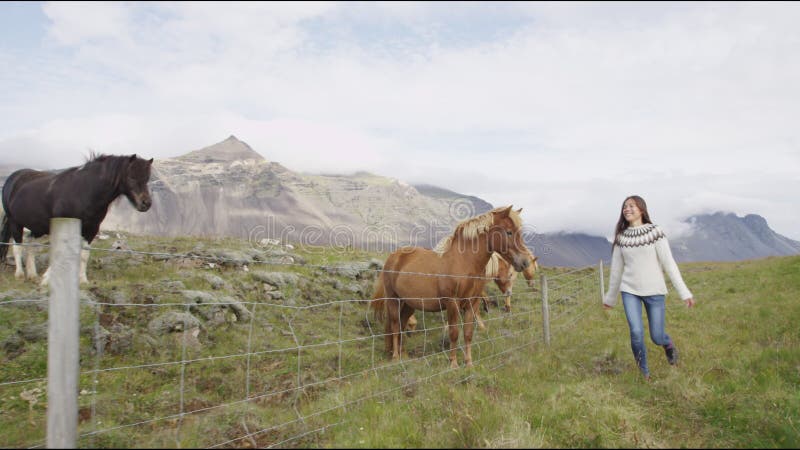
(309, 370)
(737, 384)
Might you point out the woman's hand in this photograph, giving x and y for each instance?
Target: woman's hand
(689, 302)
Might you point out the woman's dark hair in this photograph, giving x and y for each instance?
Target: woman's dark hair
(622, 223)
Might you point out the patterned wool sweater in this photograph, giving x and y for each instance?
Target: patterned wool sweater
(637, 262)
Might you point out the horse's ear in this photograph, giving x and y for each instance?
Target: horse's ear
(506, 211)
(132, 158)
(150, 162)
(519, 210)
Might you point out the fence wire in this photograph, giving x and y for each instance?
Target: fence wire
(290, 356)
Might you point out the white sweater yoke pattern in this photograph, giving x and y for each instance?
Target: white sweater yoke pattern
(638, 263)
(646, 234)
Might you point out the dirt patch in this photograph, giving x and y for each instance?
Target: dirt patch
(607, 364)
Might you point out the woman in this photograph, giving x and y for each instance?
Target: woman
(640, 252)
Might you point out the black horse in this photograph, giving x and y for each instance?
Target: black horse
(31, 197)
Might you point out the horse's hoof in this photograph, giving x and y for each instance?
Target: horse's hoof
(33, 277)
(454, 365)
(19, 275)
(469, 364)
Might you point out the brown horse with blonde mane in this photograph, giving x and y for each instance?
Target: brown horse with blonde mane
(504, 277)
(416, 278)
(497, 269)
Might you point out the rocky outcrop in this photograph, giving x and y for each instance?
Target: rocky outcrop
(228, 189)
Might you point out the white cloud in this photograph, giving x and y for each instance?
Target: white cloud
(77, 22)
(566, 114)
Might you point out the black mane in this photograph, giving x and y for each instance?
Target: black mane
(93, 156)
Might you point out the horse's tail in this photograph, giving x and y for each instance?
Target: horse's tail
(378, 303)
(5, 234)
(5, 224)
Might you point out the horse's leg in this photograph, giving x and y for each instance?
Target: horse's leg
(46, 278)
(393, 326)
(30, 263)
(492, 300)
(405, 312)
(16, 249)
(470, 316)
(387, 336)
(508, 303)
(452, 331)
(16, 238)
(478, 318)
(84, 261)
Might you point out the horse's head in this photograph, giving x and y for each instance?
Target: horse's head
(505, 238)
(134, 184)
(530, 271)
(505, 277)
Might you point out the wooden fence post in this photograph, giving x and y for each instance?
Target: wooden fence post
(63, 328)
(545, 312)
(602, 282)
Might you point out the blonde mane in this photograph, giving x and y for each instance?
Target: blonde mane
(493, 266)
(473, 227)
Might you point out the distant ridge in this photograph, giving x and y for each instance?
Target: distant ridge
(728, 237)
(229, 189)
(712, 237)
(479, 206)
(569, 249)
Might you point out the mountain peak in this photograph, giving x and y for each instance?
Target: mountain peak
(756, 222)
(229, 150)
(724, 236)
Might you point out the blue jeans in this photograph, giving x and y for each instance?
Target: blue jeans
(654, 304)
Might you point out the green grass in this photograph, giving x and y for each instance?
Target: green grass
(736, 384)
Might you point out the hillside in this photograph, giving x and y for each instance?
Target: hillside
(233, 345)
(228, 189)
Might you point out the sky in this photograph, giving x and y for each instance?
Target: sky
(563, 109)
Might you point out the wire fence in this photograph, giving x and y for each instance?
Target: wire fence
(186, 369)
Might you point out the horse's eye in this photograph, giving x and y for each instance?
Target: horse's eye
(508, 233)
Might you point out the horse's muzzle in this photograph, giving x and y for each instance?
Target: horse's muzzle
(521, 263)
(144, 205)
